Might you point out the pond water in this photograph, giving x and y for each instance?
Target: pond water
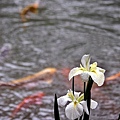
(58, 36)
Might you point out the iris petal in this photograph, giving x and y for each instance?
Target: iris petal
(84, 104)
(86, 61)
(94, 104)
(79, 109)
(74, 72)
(72, 112)
(100, 70)
(97, 77)
(62, 101)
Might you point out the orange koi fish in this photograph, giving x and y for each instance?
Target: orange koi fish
(32, 99)
(115, 76)
(44, 76)
(30, 8)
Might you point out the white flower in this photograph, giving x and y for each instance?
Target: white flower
(75, 104)
(86, 69)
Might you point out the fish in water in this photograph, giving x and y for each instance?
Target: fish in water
(115, 76)
(44, 75)
(27, 101)
(33, 8)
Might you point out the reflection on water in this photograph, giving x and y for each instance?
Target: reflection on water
(58, 36)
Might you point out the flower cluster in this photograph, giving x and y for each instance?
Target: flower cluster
(77, 104)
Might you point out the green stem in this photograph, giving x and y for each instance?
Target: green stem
(80, 117)
(73, 85)
(87, 97)
(84, 89)
(73, 89)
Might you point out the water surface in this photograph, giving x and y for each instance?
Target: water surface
(58, 36)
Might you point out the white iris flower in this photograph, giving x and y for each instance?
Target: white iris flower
(86, 69)
(75, 104)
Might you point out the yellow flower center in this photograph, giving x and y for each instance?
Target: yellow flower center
(70, 95)
(75, 103)
(75, 99)
(93, 67)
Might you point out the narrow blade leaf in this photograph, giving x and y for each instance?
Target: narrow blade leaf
(56, 110)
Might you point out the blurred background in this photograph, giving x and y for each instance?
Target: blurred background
(58, 36)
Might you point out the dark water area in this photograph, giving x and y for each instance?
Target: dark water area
(58, 36)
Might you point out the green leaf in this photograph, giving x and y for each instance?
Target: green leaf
(56, 110)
